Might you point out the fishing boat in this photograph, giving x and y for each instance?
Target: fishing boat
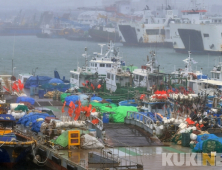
(14, 146)
(104, 33)
(97, 66)
(149, 74)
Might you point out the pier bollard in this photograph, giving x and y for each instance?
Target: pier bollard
(69, 154)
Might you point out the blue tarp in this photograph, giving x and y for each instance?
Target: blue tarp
(7, 117)
(73, 98)
(59, 87)
(96, 98)
(35, 81)
(25, 99)
(56, 81)
(36, 126)
(206, 137)
(27, 120)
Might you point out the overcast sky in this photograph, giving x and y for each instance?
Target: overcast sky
(56, 4)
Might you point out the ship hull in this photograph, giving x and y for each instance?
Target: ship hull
(20, 31)
(104, 36)
(197, 38)
(10, 156)
(163, 44)
(134, 35)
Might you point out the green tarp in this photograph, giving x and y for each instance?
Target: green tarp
(21, 107)
(63, 96)
(62, 140)
(120, 112)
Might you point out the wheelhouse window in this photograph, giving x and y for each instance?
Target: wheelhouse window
(24, 80)
(75, 76)
(152, 31)
(206, 35)
(141, 78)
(108, 75)
(108, 65)
(102, 65)
(95, 65)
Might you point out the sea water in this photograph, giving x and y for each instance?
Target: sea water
(42, 56)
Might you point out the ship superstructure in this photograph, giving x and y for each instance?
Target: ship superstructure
(197, 32)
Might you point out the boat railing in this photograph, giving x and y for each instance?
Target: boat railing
(127, 156)
(98, 126)
(140, 120)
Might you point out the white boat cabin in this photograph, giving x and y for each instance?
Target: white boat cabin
(209, 86)
(24, 77)
(117, 77)
(80, 77)
(154, 107)
(149, 72)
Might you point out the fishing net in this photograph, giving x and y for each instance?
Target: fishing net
(208, 146)
(177, 138)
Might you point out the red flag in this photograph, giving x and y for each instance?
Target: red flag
(15, 87)
(88, 110)
(63, 108)
(71, 108)
(79, 103)
(20, 85)
(19, 81)
(77, 113)
(83, 84)
(92, 86)
(99, 86)
(6, 88)
(95, 121)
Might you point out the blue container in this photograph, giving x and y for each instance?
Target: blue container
(109, 100)
(128, 103)
(202, 77)
(41, 93)
(105, 117)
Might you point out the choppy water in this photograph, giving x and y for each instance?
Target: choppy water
(63, 55)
